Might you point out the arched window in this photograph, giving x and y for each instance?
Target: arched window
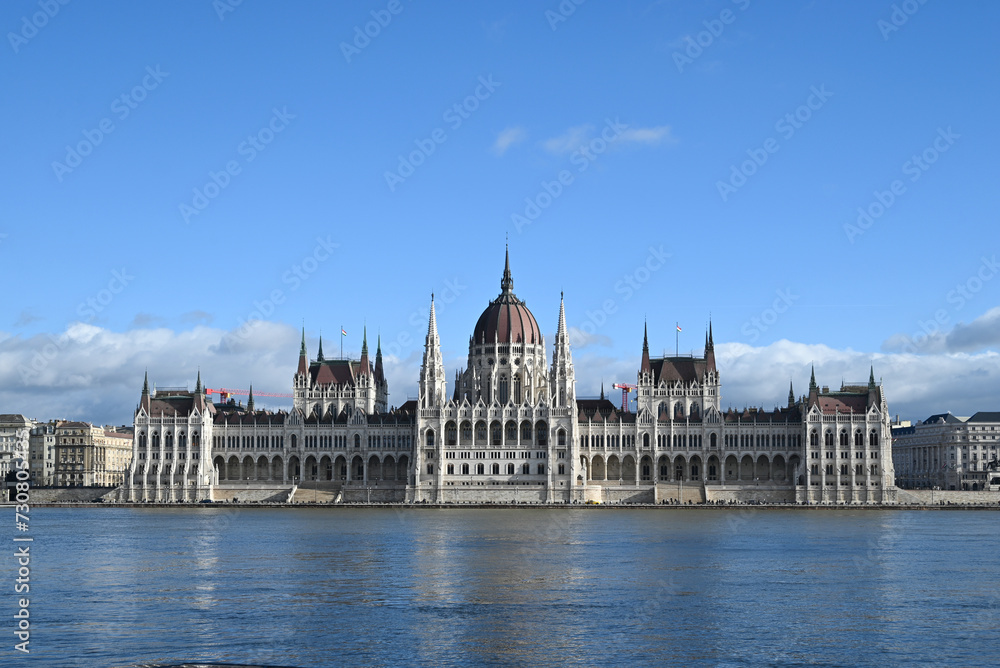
(480, 468)
(451, 433)
(645, 440)
(481, 433)
(813, 438)
(430, 437)
(526, 468)
(517, 389)
(713, 440)
(541, 469)
(511, 432)
(357, 441)
(843, 437)
(561, 435)
(873, 438)
(495, 469)
(526, 432)
(465, 469)
(541, 431)
(510, 469)
(466, 432)
(495, 433)
(503, 389)
(828, 438)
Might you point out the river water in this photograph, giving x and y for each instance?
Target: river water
(591, 587)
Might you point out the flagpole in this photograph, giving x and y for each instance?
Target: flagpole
(677, 339)
(341, 342)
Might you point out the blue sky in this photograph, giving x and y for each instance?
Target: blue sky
(175, 170)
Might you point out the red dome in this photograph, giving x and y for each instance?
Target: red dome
(507, 319)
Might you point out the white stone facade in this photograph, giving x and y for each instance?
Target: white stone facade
(945, 452)
(512, 429)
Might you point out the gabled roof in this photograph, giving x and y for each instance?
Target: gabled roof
(843, 402)
(947, 418)
(336, 372)
(684, 369)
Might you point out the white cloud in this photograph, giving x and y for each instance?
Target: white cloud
(578, 136)
(94, 374)
(655, 135)
(569, 141)
(916, 386)
(508, 138)
(930, 337)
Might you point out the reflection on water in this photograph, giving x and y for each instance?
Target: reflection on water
(318, 587)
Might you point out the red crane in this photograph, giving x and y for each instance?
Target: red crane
(625, 388)
(225, 393)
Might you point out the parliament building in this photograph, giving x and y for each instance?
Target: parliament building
(511, 429)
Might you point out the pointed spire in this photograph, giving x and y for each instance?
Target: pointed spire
(602, 390)
(812, 379)
(561, 328)
(645, 349)
(871, 378)
(250, 400)
(710, 348)
(432, 328)
(303, 355)
(791, 395)
(197, 384)
(432, 380)
(145, 384)
(507, 283)
(365, 365)
(319, 358)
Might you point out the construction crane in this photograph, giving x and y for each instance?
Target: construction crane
(625, 388)
(225, 393)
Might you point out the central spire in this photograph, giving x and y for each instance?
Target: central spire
(507, 283)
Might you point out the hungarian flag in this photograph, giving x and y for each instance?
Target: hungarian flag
(678, 328)
(343, 332)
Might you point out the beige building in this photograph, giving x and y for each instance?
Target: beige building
(89, 456)
(947, 452)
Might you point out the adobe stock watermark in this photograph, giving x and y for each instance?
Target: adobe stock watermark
(31, 26)
(404, 340)
(959, 296)
(454, 116)
(760, 323)
(629, 284)
(293, 277)
(899, 17)
(223, 7)
(562, 12)
(786, 126)
(581, 158)
(121, 107)
(381, 18)
(914, 168)
(703, 39)
(248, 149)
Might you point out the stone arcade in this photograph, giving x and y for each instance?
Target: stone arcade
(512, 431)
